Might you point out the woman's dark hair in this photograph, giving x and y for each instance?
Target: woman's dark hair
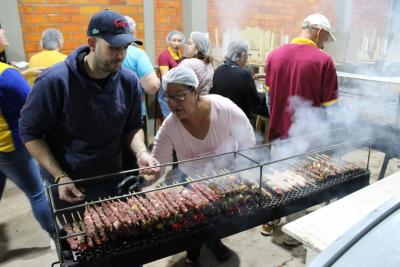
(190, 88)
(208, 59)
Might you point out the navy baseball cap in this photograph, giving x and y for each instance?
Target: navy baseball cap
(112, 27)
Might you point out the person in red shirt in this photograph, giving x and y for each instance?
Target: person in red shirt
(302, 69)
(299, 70)
(168, 59)
(170, 56)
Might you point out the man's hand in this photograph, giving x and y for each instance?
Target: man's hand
(69, 192)
(145, 160)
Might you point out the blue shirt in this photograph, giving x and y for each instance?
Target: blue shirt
(14, 90)
(82, 121)
(138, 61)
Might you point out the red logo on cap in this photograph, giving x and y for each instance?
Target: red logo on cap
(120, 23)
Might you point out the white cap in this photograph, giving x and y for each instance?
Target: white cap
(318, 21)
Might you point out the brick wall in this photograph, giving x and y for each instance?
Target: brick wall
(168, 16)
(287, 15)
(71, 17)
(370, 16)
(266, 14)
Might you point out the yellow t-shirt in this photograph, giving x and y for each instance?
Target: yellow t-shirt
(45, 59)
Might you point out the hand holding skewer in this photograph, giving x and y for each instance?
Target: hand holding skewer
(145, 160)
(69, 192)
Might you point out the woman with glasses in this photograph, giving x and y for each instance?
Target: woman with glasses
(197, 51)
(199, 126)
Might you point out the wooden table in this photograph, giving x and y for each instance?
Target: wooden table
(320, 228)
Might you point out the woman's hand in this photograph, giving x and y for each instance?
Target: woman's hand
(150, 178)
(145, 160)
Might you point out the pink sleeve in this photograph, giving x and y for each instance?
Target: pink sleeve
(241, 129)
(163, 146)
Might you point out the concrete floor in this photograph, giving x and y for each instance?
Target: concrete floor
(23, 243)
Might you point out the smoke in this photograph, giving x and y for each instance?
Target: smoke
(368, 93)
(229, 26)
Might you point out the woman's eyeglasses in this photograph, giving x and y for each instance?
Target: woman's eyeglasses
(177, 98)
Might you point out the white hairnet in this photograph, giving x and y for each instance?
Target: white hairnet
(172, 33)
(181, 75)
(201, 41)
(236, 48)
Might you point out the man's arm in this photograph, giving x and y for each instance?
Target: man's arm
(150, 83)
(39, 149)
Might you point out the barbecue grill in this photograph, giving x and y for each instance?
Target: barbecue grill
(212, 196)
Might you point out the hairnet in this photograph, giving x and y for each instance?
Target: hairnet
(172, 33)
(236, 48)
(131, 24)
(181, 75)
(51, 39)
(201, 41)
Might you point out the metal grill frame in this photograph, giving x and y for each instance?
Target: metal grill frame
(131, 253)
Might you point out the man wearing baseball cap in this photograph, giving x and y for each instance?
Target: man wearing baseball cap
(81, 110)
(300, 70)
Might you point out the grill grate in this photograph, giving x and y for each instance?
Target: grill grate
(122, 245)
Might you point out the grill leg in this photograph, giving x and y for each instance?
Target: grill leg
(384, 166)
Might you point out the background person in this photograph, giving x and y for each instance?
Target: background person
(52, 42)
(168, 59)
(199, 59)
(235, 82)
(137, 60)
(15, 161)
(299, 69)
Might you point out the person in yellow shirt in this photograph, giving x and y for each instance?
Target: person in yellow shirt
(16, 163)
(52, 42)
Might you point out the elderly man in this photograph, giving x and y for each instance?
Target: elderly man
(299, 70)
(233, 81)
(52, 42)
(81, 111)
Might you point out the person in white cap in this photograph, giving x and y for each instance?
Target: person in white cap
(300, 70)
(199, 126)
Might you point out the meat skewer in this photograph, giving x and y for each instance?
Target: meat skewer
(72, 241)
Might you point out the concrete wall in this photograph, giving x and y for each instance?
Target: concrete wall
(10, 22)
